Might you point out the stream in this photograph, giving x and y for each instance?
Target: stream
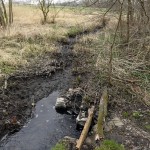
(44, 130)
(46, 127)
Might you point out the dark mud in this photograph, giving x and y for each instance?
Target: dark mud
(21, 94)
(43, 130)
(27, 87)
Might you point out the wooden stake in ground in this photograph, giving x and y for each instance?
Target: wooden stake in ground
(85, 129)
(101, 116)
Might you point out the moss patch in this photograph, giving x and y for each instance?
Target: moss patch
(110, 145)
(59, 146)
(147, 127)
(7, 69)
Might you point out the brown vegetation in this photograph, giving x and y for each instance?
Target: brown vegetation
(27, 38)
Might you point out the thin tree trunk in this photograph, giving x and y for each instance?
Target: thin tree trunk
(130, 11)
(5, 13)
(10, 12)
(45, 18)
(112, 46)
(2, 20)
(128, 22)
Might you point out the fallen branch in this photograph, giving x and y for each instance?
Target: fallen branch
(102, 114)
(126, 80)
(85, 129)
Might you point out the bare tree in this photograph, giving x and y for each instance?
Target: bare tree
(3, 14)
(45, 8)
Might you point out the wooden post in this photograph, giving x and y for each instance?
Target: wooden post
(102, 115)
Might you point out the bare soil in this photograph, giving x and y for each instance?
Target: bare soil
(25, 89)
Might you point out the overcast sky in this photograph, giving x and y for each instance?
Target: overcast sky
(37, 0)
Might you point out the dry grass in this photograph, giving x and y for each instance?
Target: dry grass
(27, 21)
(27, 38)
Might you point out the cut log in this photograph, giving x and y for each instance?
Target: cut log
(85, 129)
(101, 116)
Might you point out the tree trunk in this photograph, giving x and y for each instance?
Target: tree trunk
(131, 11)
(10, 12)
(4, 11)
(128, 21)
(2, 19)
(45, 17)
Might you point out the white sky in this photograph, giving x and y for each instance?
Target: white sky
(37, 0)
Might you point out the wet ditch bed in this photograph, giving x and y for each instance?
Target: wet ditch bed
(43, 130)
(46, 127)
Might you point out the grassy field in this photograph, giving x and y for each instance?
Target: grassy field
(27, 38)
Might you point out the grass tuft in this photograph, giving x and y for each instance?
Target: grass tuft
(147, 127)
(110, 145)
(59, 146)
(73, 31)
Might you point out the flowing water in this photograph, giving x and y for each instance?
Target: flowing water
(45, 128)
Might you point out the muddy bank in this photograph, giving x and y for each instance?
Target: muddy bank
(21, 95)
(44, 129)
(28, 86)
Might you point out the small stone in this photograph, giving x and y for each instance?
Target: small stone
(89, 141)
(117, 122)
(4, 110)
(69, 112)
(85, 147)
(36, 116)
(94, 129)
(69, 140)
(60, 104)
(109, 126)
(80, 121)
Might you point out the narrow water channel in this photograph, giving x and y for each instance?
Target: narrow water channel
(47, 127)
(42, 131)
